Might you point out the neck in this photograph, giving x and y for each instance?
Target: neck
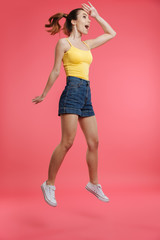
(75, 35)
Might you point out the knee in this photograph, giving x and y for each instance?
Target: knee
(67, 144)
(93, 144)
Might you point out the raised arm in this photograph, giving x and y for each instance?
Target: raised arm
(109, 33)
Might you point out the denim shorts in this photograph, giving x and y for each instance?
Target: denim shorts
(76, 98)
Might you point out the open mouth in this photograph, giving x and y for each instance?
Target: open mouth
(87, 27)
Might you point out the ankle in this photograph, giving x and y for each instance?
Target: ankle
(48, 182)
(94, 182)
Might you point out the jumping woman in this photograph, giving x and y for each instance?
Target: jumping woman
(75, 101)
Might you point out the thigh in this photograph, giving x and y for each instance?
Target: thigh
(89, 128)
(68, 126)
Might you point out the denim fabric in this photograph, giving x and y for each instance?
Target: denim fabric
(76, 98)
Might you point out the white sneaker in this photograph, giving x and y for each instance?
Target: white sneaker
(96, 189)
(49, 194)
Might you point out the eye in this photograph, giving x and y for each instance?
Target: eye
(84, 16)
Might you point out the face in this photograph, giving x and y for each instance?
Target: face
(83, 22)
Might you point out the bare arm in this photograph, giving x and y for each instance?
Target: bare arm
(52, 78)
(106, 27)
(59, 52)
(109, 33)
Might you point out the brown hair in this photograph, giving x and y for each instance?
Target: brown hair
(54, 22)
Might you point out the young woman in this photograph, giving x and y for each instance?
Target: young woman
(75, 101)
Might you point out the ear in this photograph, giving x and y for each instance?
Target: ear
(73, 22)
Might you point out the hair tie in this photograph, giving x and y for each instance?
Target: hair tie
(65, 15)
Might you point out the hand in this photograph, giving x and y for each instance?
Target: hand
(90, 10)
(38, 99)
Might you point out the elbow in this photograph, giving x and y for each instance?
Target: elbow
(56, 72)
(114, 34)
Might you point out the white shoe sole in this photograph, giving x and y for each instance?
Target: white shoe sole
(99, 197)
(46, 199)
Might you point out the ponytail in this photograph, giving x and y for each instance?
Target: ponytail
(54, 22)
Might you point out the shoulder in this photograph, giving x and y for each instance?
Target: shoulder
(62, 43)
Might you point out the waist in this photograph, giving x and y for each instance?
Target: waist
(80, 71)
(77, 79)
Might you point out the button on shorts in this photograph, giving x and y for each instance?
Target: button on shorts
(76, 98)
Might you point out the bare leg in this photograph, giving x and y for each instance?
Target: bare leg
(92, 162)
(69, 127)
(89, 128)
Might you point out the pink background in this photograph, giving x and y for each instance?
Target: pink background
(125, 87)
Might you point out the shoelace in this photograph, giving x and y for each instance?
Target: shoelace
(52, 192)
(100, 188)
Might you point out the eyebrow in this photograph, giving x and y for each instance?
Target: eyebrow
(85, 14)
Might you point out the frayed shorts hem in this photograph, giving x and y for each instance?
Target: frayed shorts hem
(85, 113)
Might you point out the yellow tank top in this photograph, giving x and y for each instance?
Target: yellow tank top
(76, 62)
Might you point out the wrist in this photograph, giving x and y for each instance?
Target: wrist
(97, 17)
(43, 95)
